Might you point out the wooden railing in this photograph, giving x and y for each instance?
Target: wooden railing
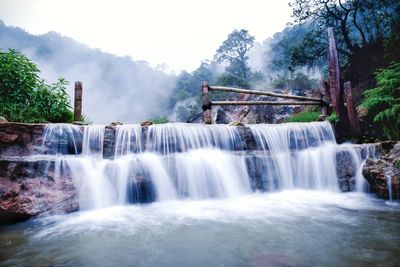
(333, 95)
(207, 104)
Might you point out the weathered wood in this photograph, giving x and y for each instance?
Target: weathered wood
(326, 98)
(351, 110)
(78, 101)
(206, 103)
(334, 71)
(255, 92)
(271, 103)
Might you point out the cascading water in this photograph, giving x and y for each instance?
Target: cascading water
(298, 155)
(189, 161)
(214, 169)
(61, 139)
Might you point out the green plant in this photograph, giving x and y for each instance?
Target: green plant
(160, 120)
(304, 116)
(333, 118)
(383, 102)
(25, 97)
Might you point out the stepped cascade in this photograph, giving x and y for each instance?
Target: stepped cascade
(193, 161)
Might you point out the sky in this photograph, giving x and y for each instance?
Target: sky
(178, 33)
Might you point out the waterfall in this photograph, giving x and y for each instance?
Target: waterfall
(93, 139)
(61, 139)
(300, 155)
(192, 161)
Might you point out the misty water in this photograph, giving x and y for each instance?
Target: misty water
(202, 205)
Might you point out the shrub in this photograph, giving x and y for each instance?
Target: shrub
(304, 116)
(160, 120)
(383, 102)
(25, 97)
(333, 118)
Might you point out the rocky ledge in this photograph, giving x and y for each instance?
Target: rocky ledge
(28, 188)
(383, 174)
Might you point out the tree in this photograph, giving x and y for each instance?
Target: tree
(234, 50)
(357, 23)
(24, 97)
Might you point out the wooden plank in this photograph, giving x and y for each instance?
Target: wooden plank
(351, 109)
(78, 101)
(206, 103)
(255, 92)
(271, 103)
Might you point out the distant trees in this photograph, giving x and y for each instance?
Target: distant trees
(24, 97)
(234, 50)
(185, 98)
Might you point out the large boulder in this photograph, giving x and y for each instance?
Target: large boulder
(30, 188)
(383, 174)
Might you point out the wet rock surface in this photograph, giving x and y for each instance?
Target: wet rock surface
(383, 174)
(20, 139)
(28, 188)
(346, 170)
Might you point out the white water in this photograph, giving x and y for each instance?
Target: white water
(93, 139)
(58, 138)
(189, 161)
(128, 139)
(302, 155)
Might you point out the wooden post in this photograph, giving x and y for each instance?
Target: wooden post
(334, 72)
(351, 110)
(78, 102)
(326, 98)
(206, 103)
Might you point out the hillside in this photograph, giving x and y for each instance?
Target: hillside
(115, 88)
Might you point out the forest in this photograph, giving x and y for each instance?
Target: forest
(294, 60)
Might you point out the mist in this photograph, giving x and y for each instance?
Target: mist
(114, 88)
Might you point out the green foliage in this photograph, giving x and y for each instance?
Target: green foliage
(383, 102)
(333, 119)
(304, 116)
(160, 120)
(185, 98)
(356, 24)
(234, 50)
(24, 97)
(228, 79)
(298, 83)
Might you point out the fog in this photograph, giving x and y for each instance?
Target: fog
(114, 88)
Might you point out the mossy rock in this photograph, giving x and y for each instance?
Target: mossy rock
(79, 123)
(3, 120)
(236, 123)
(146, 123)
(397, 164)
(116, 123)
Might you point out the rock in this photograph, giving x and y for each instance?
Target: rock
(146, 123)
(379, 171)
(20, 139)
(322, 117)
(236, 123)
(79, 123)
(3, 120)
(28, 188)
(346, 169)
(115, 123)
(249, 114)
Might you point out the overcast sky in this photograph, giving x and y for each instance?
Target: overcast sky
(179, 33)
